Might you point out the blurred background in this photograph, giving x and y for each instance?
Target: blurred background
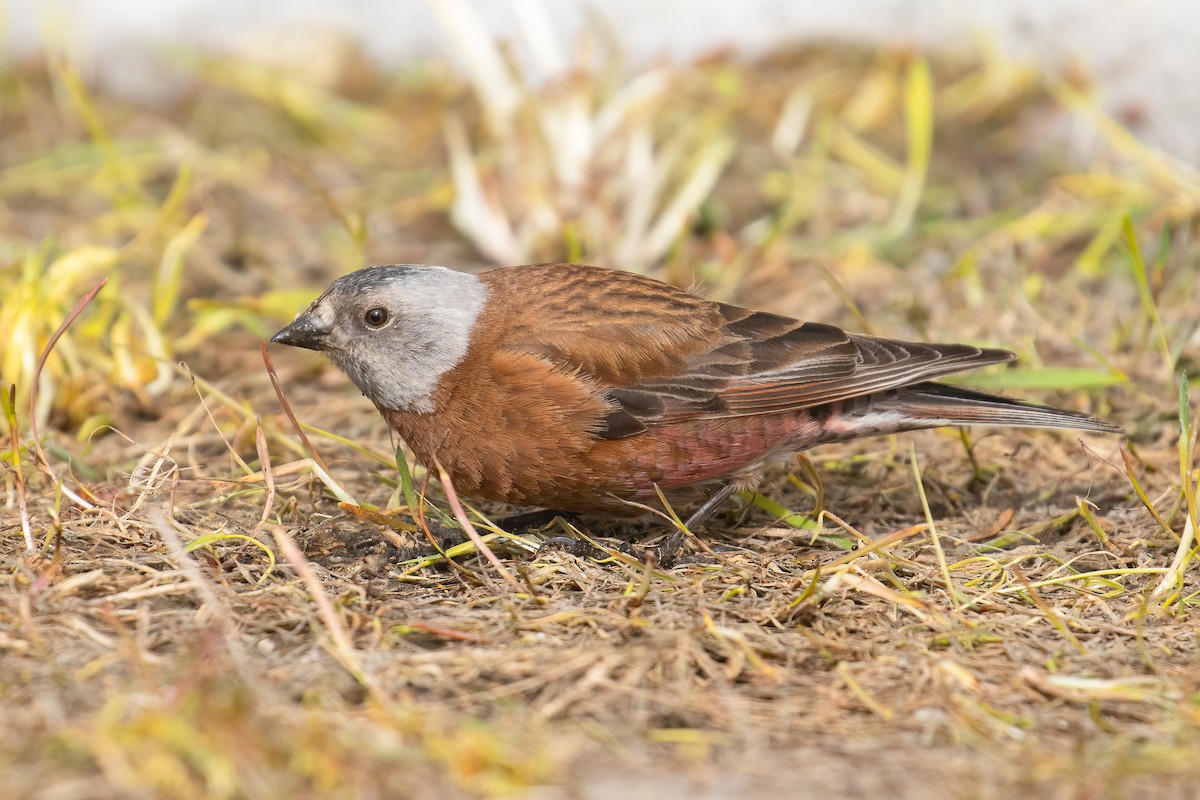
(1139, 52)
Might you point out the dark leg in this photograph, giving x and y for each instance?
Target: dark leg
(670, 548)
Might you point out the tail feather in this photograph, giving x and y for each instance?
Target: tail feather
(942, 404)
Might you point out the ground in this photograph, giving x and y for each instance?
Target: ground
(211, 611)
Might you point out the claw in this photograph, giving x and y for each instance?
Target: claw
(576, 547)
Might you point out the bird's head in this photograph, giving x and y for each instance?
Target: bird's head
(394, 330)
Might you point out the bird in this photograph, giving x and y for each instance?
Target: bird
(589, 390)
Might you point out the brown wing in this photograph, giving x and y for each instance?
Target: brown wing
(670, 356)
(774, 364)
(615, 326)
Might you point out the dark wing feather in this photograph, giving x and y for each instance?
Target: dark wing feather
(770, 363)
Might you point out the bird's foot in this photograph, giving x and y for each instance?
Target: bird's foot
(666, 555)
(582, 548)
(668, 551)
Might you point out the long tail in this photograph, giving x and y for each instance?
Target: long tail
(941, 404)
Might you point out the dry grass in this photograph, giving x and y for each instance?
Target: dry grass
(1007, 614)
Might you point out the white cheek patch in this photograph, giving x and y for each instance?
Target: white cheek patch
(400, 367)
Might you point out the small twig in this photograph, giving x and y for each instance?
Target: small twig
(1183, 553)
(10, 409)
(460, 514)
(1186, 549)
(682, 531)
(52, 570)
(933, 534)
(1141, 494)
(809, 470)
(873, 705)
(208, 412)
(832, 280)
(41, 363)
(1045, 608)
(342, 648)
(287, 408)
(204, 588)
(870, 546)
(264, 461)
(646, 582)
(37, 376)
(418, 515)
(1085, 510)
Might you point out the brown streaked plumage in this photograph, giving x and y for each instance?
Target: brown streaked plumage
(579, 388)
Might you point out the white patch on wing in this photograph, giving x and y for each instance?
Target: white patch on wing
(869, 421)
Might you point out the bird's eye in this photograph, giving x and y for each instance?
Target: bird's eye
(376, 317)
